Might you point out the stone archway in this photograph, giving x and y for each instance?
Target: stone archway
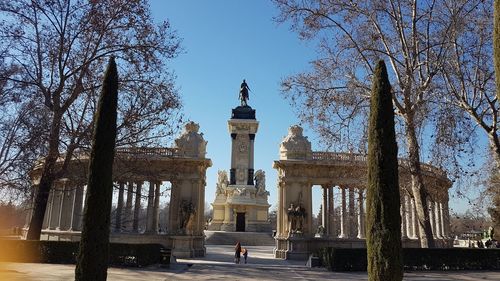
(299, 168)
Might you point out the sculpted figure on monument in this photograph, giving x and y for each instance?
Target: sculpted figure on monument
(244, 93)
(300, 213)
(292, 219)
(260, 183)
(186, 212)
(296, 216)
(222, 182)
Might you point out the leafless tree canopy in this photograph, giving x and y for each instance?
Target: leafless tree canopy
(413, 37)
(52, 55)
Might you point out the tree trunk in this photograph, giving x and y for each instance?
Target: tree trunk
(419, 193)
(496, 44)
(46, 179)
(495, 147)
(92, 263)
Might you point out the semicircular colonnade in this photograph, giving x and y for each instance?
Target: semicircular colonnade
(299, 168)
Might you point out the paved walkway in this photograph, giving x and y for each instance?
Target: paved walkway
(218, 265)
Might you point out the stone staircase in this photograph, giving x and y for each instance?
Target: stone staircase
(245, 238)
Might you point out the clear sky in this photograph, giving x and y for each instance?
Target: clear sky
(226, 41)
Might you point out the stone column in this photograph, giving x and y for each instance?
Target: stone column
(201, 203)
(324, 210)
(149, 212)
(54, 208)
(29, 214)
(137, 206)
(351, 226)
(331, 213)
(119, 207)
(76, 217)
(343, 215)
(446, 218)
(404, 234)
(280, 214)
(437, 216)
(72, 200)
(430, 207)
(361, 215)
(61, 204)
(441, 215)
(128, 206)
(414, 228)
(407, 216)
(156, 207)
(48, 211)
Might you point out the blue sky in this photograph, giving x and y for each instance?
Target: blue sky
(227, 41)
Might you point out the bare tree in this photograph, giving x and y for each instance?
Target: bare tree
(469, 81)
(58, 48)
(352, 35)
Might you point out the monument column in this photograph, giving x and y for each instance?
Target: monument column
(48, 211)
(430, 208)
(414, 226)
(156, 206)
(128, 205)
(76, 217)
(438, 220)
(324, 210)
(331, 212)
(119, 207)
(404, 234)
(441, 215)
(61, 205)
(407, 216)
(242, 127)
(361, 215)
(351, 224)
(137, 206)
(343, 215)
(150, 208)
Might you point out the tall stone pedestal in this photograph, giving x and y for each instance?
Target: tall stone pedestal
(241, 198)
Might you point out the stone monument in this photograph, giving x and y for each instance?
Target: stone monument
(241, 200)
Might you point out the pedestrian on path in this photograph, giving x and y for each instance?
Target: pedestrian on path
(245, 254)
(237, 252)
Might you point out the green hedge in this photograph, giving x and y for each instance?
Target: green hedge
(337, 259)
(65, 252)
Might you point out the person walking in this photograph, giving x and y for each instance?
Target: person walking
(237, 252)
(245, 254)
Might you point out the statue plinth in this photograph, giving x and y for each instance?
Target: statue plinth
(243, 112)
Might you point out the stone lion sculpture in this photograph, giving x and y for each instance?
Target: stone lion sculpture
(222, 182)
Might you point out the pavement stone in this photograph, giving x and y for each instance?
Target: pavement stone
(218, 265)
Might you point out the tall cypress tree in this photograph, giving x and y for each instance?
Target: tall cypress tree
(383, 223)
(93, 255)
(496, 44)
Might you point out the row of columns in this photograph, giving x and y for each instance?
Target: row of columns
(64, 207)
(128, 210)
(352, 215)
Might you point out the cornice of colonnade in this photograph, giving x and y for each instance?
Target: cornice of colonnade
(135, 164)
(350, 169)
